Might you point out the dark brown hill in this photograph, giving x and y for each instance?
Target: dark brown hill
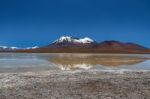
(120, 46)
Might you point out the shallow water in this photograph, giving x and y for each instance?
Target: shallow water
(17, 62)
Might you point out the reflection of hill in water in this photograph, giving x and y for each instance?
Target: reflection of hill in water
(72, 62)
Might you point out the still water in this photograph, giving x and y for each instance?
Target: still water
(17, 62)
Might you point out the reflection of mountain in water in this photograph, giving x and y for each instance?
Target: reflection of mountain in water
(72, 62)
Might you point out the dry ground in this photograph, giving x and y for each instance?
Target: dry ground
(75, 85)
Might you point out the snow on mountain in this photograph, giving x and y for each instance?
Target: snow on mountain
(71, 39)
(3, 47)
(34, 47)
(15, 48)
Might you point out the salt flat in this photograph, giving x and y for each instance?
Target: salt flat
(75, 85)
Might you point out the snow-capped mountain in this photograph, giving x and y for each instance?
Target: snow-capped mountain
(5, 48)
(34, 47)
(70, 39)
(69, 44)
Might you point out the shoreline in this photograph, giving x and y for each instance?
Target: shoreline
(20, 52)
(75, 85)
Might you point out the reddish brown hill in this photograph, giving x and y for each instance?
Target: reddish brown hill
(120, 46)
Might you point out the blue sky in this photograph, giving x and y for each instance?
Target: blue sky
(38, 22)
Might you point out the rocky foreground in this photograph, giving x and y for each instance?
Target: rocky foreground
(75, 85)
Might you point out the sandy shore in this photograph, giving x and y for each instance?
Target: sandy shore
(75, 85)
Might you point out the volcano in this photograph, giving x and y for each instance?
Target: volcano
(69, 44)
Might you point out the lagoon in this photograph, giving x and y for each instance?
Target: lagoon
(27, 62)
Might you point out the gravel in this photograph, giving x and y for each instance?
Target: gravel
(75, 85)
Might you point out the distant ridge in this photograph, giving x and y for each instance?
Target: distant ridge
(7, 49)
(69, 44)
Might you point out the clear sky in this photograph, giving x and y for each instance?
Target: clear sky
(38, 22)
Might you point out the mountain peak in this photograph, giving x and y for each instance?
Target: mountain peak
(64, 39)
(70, 39)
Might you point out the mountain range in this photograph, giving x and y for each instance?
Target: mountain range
(69, 44)
(7, 49)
